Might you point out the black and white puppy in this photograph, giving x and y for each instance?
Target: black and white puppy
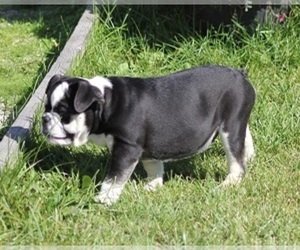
(153, 120)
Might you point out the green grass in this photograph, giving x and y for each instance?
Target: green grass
(31, 38)
(46, 198)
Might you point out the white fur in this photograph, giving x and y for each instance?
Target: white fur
(59, 93)
(155, 172)
(236, 170)
(110, 193)
(111, 189)
(78, 128)
(56, 133)
(249, 148)
(100, 82)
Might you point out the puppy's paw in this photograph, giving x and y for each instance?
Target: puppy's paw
(108, 194)
(153, 184)
(104, 199)
(107, 198)
(231, 180)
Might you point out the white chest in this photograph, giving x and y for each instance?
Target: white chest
(102, 140)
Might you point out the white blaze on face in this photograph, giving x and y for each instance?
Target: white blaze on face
(59, 93)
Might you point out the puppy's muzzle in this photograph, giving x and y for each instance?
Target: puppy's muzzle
(45, 119)
(52, 128)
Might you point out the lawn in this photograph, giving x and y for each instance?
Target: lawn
(31, 38)
(46, 198)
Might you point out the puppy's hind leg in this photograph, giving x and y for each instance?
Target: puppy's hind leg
(234, 143)
(155, 172)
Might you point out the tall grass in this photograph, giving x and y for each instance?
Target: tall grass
(46, 198)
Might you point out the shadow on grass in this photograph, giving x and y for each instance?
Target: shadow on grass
(93, 161)
(83, 161)
(86, 162)
(57, 23)
(171, 23)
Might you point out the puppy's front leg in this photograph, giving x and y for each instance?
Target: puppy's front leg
(123, 162)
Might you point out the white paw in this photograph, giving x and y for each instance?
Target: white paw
(231, 180)
(153, 184)
(109, 194)
(106, 199)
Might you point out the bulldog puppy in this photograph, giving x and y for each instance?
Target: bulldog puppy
(153, 119)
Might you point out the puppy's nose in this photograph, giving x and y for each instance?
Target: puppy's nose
(45, 119)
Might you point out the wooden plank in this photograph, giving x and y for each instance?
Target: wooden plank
(11, 143)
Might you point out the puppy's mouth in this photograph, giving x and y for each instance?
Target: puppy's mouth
(62, 136)
(58, 138)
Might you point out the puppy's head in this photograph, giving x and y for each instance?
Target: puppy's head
(72, 107)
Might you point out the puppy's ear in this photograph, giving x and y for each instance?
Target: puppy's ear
(86, 95)
(53, 81)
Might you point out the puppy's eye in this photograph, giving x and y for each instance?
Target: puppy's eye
(65, 118)
(60, 110)
(63, 113)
